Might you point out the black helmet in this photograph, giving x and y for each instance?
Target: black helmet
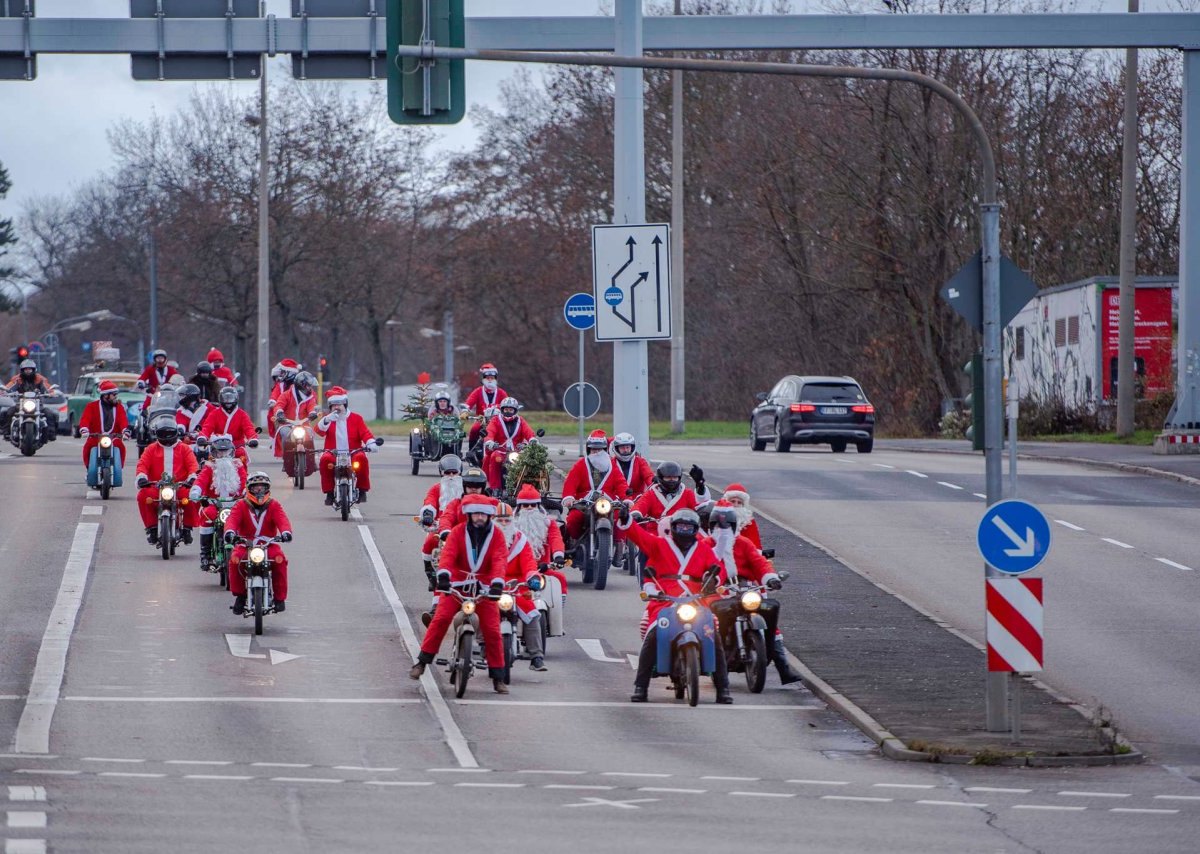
(228, 397)
(204, 367)
(724, 517)
(305, 381)
(474, 477)
(221, 445)
(166, 434)
(669, 475)
(189, 395)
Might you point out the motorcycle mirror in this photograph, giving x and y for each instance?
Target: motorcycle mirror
(258, 431)
(379, 441)
(784, 575)
(762, 395)
(540, 432)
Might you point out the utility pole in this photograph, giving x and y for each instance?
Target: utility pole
(1126, 364)
(678, 353)
(153, 285)
(263, 368)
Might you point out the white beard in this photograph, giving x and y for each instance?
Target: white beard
(450, 489)
(509, 531)
(601, 462)
(226, 480)
(744, 515)
(534, 523)
(723, 539)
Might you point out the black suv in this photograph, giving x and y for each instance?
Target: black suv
(813, 411)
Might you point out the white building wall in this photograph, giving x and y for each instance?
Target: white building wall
(1061, 331)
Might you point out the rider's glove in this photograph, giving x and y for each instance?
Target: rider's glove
(314, 415)
(142, 481)
(427, 518)
(141, 385)
(370, 448)
(253, 443)
(559, 559)
(774, 584)
(285, 536)
(443, 580)
(195, 493)
(637, 516)
(697, 475)
(567, 501)
(279, 416)
(623, 511)
(496, 589)
(443, 534)
(231, 537)
(84, 432)
(535, 583)
(490, 445)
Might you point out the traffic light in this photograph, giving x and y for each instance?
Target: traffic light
(974, 401)
(19, 354)
(322, 365)
(426, 93)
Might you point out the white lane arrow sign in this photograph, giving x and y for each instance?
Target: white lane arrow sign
(239, 647)
(595, 650)
(1024, 547)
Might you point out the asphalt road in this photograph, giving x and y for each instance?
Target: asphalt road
(168, 726)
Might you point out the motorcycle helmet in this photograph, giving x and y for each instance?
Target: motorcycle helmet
(258, 489)
(189, 396)
(508, 408)
(177, 380)
(215, 355)
(166, 433)
(504, 512)
(222, 446)
(488, 371)
(624, 446)
(204, 368)
(28, 369)
(684, 526)
(157, 354)
(439, 397)
(669, 476)
(449, 464)
(228, 398)
(724, 515)
(304, 381)
(474, 478)
(597, 441)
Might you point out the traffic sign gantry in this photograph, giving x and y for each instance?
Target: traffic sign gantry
(580, 311)
(631, 273)
(1013, 536)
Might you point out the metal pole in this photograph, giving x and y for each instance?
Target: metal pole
(391, 386)
(1184, 415)
(1128, 296)
(631, 404)
(1015, 682)
(581, 428)
(678, 353)
(448, 345)
(153, 291)
(262, 368)
(1012, 404)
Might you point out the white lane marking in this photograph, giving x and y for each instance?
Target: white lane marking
(33, 731)
(953, 804)
(398, 782)
(239, 646)
(633, 774)
(217, 777)
(305, 780)
(574, 788)
(595, 650)
(490, 785)
(979, 495)
(1067, 524)
(58, 772)
(280, 765)
(903, 786)
(672, 791)
(845, 462)
(364, 768)
(856, 798)
(25, 846)
(915, 473)
(1144, 811)
(997, 789)
(278, 657)
(1174, 564)
(629, 804)
(92, 494)
(1094, 794)
(883, 465)
(128, 774)
(1177, 797)
(632, 659)
(604, 704)
(474, 770)
(820, 782)
(762, 794)
(90, 510)
(198, 762)
(26, 793)
(1047, 807)
(733, 779)
(541, 771)
(949, 485)
(1116, 543)
(26, 819)
(334, 700)
(107, 759)
(355, 514)
(454, 737)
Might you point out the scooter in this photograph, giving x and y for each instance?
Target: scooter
(687, 646)
(466, 627)
(345, 480)
(107, 472)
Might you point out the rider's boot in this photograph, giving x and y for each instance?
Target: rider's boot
(206, 550)
(280, 606)
(429, 574)
(423, 659)
(618, 553)
(239, 605)
(639, 694)
(723, 695)
(779, 658)
(152, 535)
(328, 499)
(362, 496)
(187, 536)
(497, 674)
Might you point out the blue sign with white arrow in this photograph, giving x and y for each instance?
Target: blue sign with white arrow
(1013, 536)
(580, 311)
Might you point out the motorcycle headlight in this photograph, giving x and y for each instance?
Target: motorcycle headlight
(258, 554)
(513, 457)
(223, 515)
(167, 493)
(28, 406)
(416, 429)
(468, 608)
(603, 507)
(355, 465)
(505, 602)
(297, 434)
(105, 441)
(751, 599)
(687, 612)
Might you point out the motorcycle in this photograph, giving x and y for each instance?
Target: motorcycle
(164, 401)
(218, 561)
(256, 569)
(550, 605)
(593, 552)
(475, 452)
(746, 642)
(435, 438)
(105, 464)
(345, 480)
(686, 647)
(298, 450)
(171, 498)
(466, 627)
(28, 430)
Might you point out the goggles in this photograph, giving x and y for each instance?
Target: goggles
(259, 490)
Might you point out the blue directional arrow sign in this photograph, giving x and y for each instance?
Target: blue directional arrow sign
(1013, 536)
(580, 311)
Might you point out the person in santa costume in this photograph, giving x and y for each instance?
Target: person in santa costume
(668, 494)
(167, 455)
(594, 471)
(229, 419)
(447, 490)
(221, 479)
(522, 568)
(676, 565)
(739, 498)
(485, 400)
(105, 415)
(192, 411)
(473, 554)
(743, 560)
(510, 432)
(224, 374)
(344, 430)
(284, 374)
(637, 472)
(295, 406)
(156, 373)
(257, 518)
(544, 536)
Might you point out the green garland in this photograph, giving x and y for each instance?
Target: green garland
(532, 466)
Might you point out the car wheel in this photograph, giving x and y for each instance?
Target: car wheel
(838, 446)
(865, 446)
(756, 444)
(782, 445)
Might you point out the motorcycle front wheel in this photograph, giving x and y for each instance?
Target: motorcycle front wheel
(28, 438)
(603, 557)
(105, 482)
(510, 655)
(756, 661)
(164, 537)
(300, 462)
(462, 663)
(691, 675)
(343, 500)
(258, 610)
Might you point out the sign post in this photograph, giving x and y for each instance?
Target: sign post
(580, 313)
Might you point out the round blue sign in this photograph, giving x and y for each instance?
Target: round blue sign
(580, 311)
(613, 296)
(1013, 536)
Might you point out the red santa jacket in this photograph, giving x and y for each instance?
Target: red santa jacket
(509, 437)
(253, 522)
(464, 565)
(522, 567)
(347, 432)
(98, 419)
(183, 462)
(676, 573)
(204, 481)
(153, 377)
(580, 482)
(433, 500)
(654, 505)
(294, 406)
(225, 373)
(193, 421)
(638, 474)
(236, 424)
(480, 400)
(750, 532)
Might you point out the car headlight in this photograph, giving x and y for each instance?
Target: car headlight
(258, 554)
(505, 602)
(751, 599)
(223, 515)
(105, 441)
(687, 612)
(298, 434)
(468, 608)
(28, 406)
(167, 493)
(603, 507)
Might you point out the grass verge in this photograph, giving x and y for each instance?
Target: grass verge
(561, 425)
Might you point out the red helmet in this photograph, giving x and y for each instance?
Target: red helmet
(214, 355)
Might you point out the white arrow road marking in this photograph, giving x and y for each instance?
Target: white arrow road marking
(633, 660)
(239, 646)
(278, 657)
(595, 650)
(1024, 547)
(631, 804)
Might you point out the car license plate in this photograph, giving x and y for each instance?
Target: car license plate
(834, 410)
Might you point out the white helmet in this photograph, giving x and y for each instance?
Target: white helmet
(622, 440)
(510, 403)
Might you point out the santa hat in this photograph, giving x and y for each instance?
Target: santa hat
(214, 355)
(736, 490)
(529, 495)
(337, 394)
(107, 386)
(480, 504)
(598, 439)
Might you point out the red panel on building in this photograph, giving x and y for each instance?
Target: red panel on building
(1152, 340)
